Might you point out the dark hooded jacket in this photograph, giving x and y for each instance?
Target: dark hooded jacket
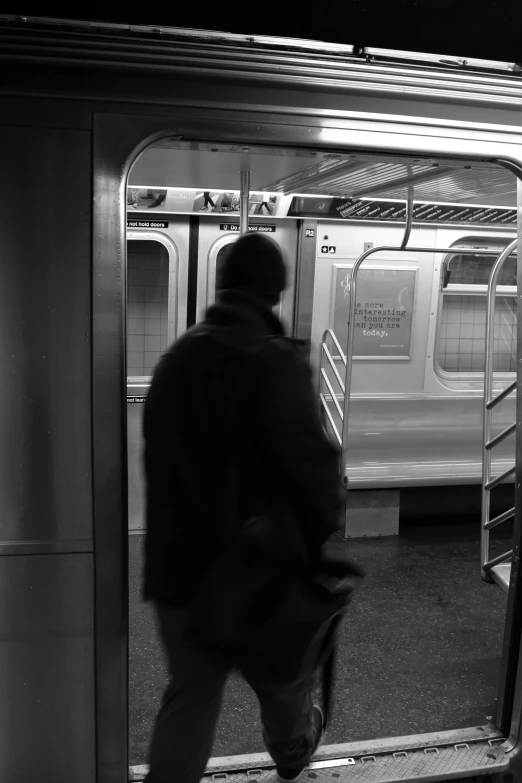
(232, 429)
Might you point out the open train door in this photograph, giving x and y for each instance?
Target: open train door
(117, 143)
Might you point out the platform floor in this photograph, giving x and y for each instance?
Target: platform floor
(419, 650)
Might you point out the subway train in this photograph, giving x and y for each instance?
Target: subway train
(111, 239)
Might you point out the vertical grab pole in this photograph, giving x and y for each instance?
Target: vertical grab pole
(351, 327)
(243, 203)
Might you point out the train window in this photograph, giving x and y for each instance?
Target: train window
(462, 327)
(147, 305)
(472, 269)
(220, 260)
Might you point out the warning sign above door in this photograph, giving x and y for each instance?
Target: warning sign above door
(262, 229)
(147, 223)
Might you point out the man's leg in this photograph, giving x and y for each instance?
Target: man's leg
(289, 731)
(182, 739)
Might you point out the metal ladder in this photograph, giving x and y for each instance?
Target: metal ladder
(325, 381)
(496, 569)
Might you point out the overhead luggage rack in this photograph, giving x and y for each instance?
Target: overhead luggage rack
(394, 211)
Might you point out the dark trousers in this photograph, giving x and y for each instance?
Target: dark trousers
(183, 734)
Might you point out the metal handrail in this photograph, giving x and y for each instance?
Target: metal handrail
(323, 376)
(489, 485)
(499, 559)
(334, 368)
(330, 417)
(488, 442)
(509, 514)
(500, 437)
(502, 395)
(351, 289)
(332, 393)
(331, 333)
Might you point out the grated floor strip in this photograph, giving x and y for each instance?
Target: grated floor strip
(418, 764)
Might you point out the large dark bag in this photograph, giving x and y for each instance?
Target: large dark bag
(268, 608)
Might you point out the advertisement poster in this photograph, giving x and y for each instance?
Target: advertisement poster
(201, 201)
(383, 313)
(145, 198)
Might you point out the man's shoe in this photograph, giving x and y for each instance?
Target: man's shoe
(292, 774)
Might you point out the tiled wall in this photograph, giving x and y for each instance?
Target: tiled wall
(463, 332)
(147, 282)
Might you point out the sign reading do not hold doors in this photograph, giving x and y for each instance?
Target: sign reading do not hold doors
(383, 311)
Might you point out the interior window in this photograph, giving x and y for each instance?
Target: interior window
(147, 305)
(220, 260)
(472, 269)
(462, 329)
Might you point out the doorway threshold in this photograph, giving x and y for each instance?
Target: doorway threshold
(435, 755)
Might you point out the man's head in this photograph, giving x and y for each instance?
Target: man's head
(255, 264)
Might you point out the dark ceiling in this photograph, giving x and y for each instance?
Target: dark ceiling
(486, 29)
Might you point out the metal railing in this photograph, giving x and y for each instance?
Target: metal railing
(324, 379)
(351, 288)
(488, 443)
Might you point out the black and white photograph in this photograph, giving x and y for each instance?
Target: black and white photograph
(261, 392)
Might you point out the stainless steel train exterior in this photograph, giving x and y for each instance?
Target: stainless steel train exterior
(82, 102)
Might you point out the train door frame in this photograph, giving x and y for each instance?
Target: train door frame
(116, 145)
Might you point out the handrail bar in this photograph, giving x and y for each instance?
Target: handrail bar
(498, 480)
(327, 410)
(500, 437)
(501, 518)
(334, 397)
(336, 343)
(334, 368)
(496, 560)
(502, 396)
(323, 377)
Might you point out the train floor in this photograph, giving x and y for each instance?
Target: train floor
(419, 650)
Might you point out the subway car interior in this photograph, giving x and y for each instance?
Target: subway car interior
(420, 651)
(132, 159)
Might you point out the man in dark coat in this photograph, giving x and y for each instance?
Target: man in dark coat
(232, 391)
